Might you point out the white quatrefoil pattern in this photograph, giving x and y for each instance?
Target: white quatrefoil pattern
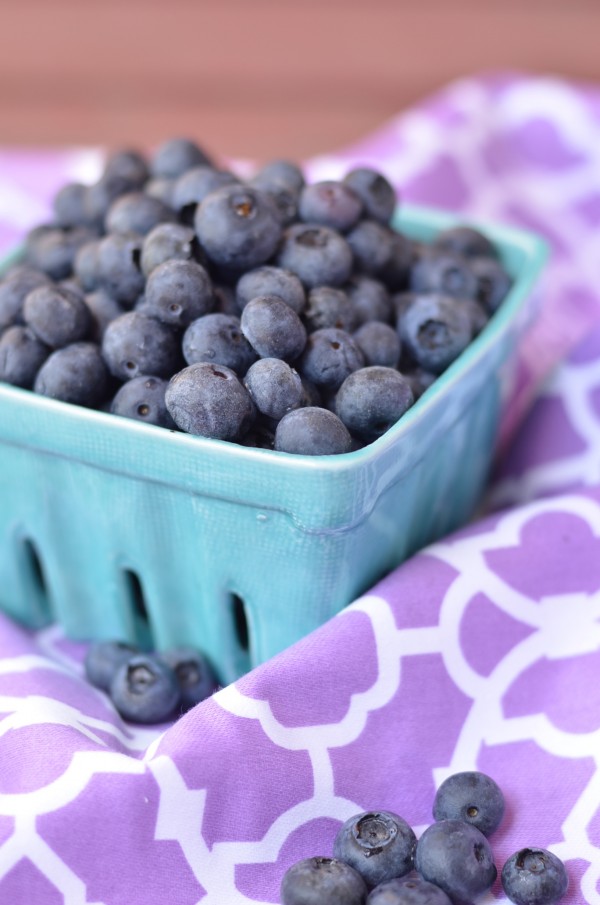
(481, 652)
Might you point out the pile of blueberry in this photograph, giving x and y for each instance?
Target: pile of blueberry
(266, 311)
(149, 688)
(378, 860)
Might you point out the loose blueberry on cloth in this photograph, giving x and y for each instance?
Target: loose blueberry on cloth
(482, 652)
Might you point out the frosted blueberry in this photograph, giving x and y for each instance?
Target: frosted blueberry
(534, 876)
(374, 190)
(218, 339)
(238, 227)
(269, 280)
(456, 857)
(473, 797)
(76, 374)
(21, 356)
(194, 674)
(380, 845)
(210, 401)
(319, 255)
(103, 658)
(272, 328)
(411, 890)
(177, 292)
(372, 399)
(316, 881)
(144, 689)
(435, 329)
(143, 399)
(312, 431)
(135, 344)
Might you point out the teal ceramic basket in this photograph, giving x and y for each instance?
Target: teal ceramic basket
(118, 529)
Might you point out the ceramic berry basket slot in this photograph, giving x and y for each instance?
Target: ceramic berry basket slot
(118, 529)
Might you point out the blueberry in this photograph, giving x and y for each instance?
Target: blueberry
(135, 343)
(320, 256)
(456, 857)
(277, 172)
(312, 431)
(464, 240)
(534, 876)
(445, 273)
(275, 387)
(103, 309)
(194, 674)
(329, 357)
(143, 399)
(268, 280)
(85, 265)
(137, 212)
(21, 356)
(237, 226)
(407, 891)
(493, 282)
(56, 316)
(272, 328)
(144, 689)
(76, 374)
(178, 292)
(473, 797)
(194, 185)
(435, 330)
(70, 205)
(372, 399)
(177, 155)
(322, 881)
(329, 307)
(14, 288)
(129, 165)
(378, 844)
(370, 298)
(210, 401)
(166, 242)
(119, 271)
(330, 203)
(53, 250)
(103, 658)
(379, 344)
(218, 338)
(375, 191)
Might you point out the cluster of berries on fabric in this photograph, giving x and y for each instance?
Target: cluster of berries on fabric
(377, 859)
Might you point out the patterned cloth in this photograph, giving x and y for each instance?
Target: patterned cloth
(481, 652)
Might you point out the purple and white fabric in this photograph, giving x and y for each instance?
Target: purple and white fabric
(481, 652)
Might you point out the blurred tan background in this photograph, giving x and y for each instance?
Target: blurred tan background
(261, 78)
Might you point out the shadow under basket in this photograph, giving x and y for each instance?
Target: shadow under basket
(121, 530)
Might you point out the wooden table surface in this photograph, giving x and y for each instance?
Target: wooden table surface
(261, 78)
